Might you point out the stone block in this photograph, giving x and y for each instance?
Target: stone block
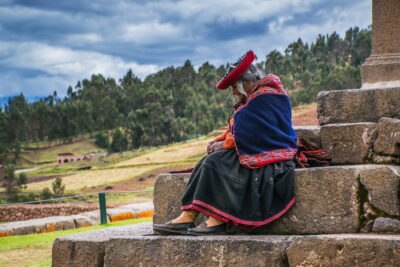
(326, 201)
(88, 248)
(141, 210)
(358, 105)
(379, 159)
(348, 143)
(42, 225)
(94, 216)
(168, 191)
(382, 184)
(309, 133)
(120, 214)
(81, 221)
(198, 251)
(6, 230)
(385, 225)
(345, 251)
(388, 139)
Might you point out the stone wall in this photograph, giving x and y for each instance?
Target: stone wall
(27, 212)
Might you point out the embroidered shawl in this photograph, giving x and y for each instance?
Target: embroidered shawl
(262, 127)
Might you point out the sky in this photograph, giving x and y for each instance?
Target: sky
(47, 45)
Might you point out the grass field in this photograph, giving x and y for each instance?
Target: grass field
(35, 250)
(172, 153)
(116, 167)
(92, 178)
(50, 154)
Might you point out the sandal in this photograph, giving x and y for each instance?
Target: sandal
(203, 229)
(172, 228)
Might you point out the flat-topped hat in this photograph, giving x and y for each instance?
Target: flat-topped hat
(236, 70)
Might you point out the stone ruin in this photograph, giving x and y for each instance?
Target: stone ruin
(70, 157)
(347, 214)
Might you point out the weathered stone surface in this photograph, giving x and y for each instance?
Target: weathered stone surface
(367, 227)
(379, 159)
(309, 133)
(382, 184)
(131, 246)
(94, 216)
(198, 251)
(141, 210)
(348, 143)
(326, 201)
(42, 225)
(88, 249)
(168, 191)
(382, 225)
(383, 66)
(358, 105)
(81, 221)
(26, 212)
(140, 207)
(388, 140)
(120, 214)
(345, 251)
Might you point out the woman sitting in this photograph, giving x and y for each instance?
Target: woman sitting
(247, 178)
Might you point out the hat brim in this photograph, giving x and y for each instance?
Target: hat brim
(232, 76)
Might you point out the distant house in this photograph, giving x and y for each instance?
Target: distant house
(69, 157)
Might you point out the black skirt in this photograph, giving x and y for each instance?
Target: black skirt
(221, 187)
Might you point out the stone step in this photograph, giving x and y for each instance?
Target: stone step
(358, 105)
(336, 199)
(357, 143)
(136, 246)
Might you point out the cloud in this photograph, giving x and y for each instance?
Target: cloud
(60, 64)
(51, 44)
(151, 33)
(233, 10)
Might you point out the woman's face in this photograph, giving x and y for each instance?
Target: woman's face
(237, 94)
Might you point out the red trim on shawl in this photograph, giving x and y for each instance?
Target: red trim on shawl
(266, 157)
(225, 217)
(262, 164)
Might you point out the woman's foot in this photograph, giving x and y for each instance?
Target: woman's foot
(211, 222)
(211, 227)
(179, 225)
(187, 216)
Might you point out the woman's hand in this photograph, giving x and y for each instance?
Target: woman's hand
(214, 146)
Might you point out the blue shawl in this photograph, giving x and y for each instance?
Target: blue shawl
(262, 127)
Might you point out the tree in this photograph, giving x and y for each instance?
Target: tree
(119, 141)
(58, 187)
(46, 194)
(13, 183)
(101, 140)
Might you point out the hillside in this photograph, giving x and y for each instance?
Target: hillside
(126, 171)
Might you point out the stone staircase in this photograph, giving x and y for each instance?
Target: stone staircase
(347, 214)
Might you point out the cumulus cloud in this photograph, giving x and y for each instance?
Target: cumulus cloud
(234, 10)
(151, 33)
(63, 66)
(46, 45)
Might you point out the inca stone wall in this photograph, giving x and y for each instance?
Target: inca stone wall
(27, 212)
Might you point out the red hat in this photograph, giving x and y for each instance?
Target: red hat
(236, 70)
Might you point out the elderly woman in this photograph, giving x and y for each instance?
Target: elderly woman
(247, 178)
